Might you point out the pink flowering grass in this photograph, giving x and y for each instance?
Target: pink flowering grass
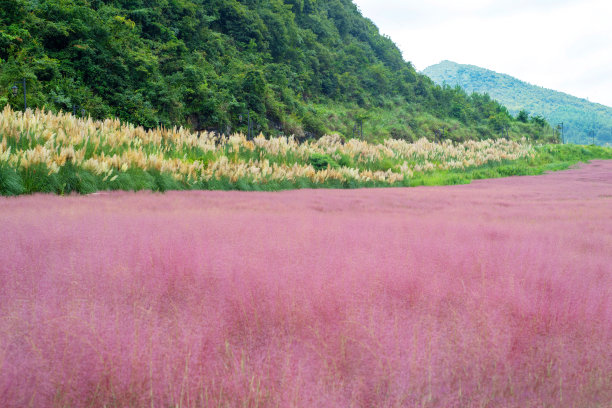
(494, 294)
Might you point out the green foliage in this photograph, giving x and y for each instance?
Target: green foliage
(73, 179)
(440, 179)
(322, 161)
(10, 182)
(548, 158)
(582, 120)
(523, 116)
(38, 179)
(300, 67)
(164, 181)
(346, 161)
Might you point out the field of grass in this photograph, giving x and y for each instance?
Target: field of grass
(58, 153)
(492, 294)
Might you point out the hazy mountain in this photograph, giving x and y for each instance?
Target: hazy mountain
(581, 119)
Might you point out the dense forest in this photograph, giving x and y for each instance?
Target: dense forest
(584, 122)
(301, 67)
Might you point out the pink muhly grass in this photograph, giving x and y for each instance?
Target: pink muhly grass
(497, 293)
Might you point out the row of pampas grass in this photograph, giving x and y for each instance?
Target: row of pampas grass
(41, 151)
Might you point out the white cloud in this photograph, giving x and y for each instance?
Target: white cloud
(564, 45)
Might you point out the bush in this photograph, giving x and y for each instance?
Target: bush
(73, 179)
(10, 182)
(322, 161)
(38, 179)
(346, 161)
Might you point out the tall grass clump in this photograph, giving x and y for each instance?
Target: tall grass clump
(497, 293)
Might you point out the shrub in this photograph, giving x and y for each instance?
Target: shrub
(322, 161)
(10, 182)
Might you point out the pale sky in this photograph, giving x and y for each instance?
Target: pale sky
(565, 45)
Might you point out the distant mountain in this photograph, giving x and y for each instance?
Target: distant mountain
(581, 118)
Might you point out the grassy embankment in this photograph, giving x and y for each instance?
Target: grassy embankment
(46, 152)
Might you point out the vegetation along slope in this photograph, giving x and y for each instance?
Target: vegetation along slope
(584, 122)
(45, 152)
(296, 67)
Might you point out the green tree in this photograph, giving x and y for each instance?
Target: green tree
(523, 116)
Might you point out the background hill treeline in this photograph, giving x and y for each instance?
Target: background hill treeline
(302, 67)
(581, 119)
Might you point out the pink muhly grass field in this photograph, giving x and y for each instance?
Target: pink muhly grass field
(496, 294)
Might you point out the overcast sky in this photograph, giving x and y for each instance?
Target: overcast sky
(565, 45)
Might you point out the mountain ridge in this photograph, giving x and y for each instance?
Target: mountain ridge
(583, 120)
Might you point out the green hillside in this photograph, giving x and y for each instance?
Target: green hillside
(301, 67)
(582, 120)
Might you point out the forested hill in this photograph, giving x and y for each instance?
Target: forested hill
(581, 119)
(303, 67)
